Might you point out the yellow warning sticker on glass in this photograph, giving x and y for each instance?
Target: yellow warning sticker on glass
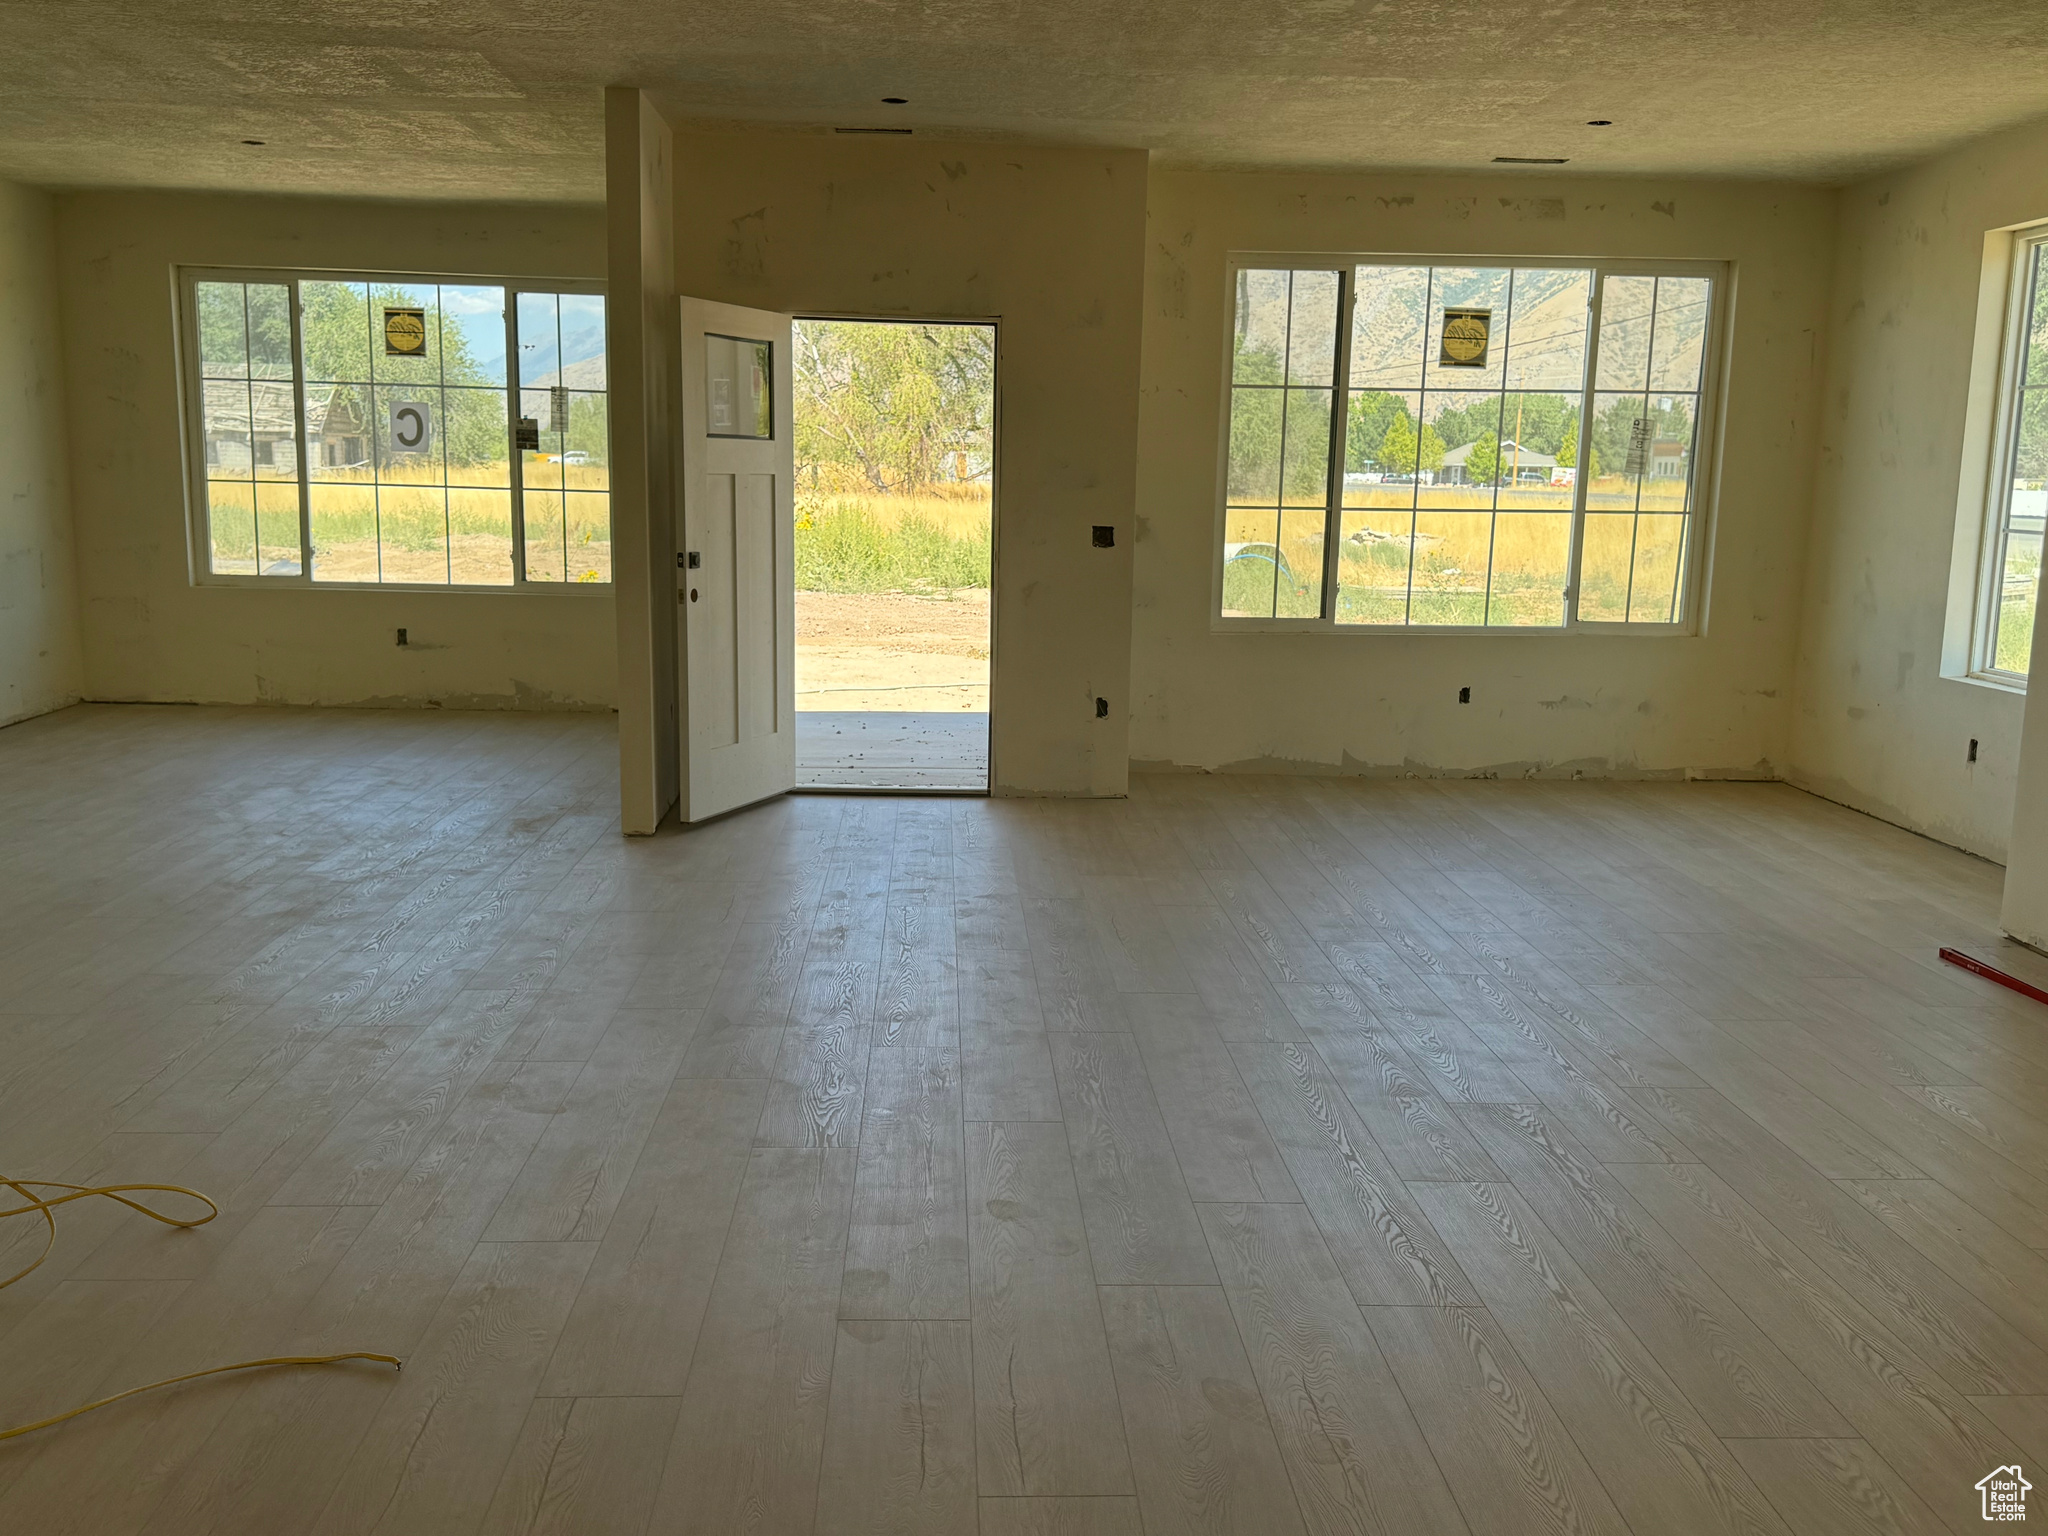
(1464, 338)
(405, 333)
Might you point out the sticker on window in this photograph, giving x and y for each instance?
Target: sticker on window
(1464, 338)
(1638, 446)
(412, 427)
(405, 333)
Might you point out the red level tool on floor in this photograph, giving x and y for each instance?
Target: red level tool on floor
(1992, 973)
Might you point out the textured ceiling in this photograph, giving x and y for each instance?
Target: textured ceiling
(502, 98)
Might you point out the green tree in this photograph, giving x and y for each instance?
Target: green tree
(1402, 454)
(890, 407)
(1540, 422)
(2030, 451)
(1612, 425)
(1373, 413)
(337, 326)
(1432, 449)
(1482, 464)
(245, 327)
(1461, 424)
(1397, 447)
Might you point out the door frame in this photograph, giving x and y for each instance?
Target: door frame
(995, 522)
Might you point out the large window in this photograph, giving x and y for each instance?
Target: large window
(1458, 445)
(2018, 500)
(404, 431)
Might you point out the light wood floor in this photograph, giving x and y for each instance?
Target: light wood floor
(1253, 1155)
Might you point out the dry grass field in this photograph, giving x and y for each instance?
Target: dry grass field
(892, 602)
(403, 526)
(1436, 564)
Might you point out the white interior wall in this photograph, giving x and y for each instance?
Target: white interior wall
(644, 345)
(849, 225)
(1048, 242)
(149, 633)
(1877, 726)
(40, 665)
(1715, 702)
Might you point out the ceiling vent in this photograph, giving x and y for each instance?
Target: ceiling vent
(1531, 159)
(898, 131)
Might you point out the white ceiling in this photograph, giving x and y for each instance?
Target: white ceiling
(501, 98)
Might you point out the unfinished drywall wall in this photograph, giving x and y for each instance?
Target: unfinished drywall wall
(40, 667)
(1878, 726)
(1715, 702)
(1048, 243)
(644, 346)
(150, 634)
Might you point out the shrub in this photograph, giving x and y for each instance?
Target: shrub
(842, 546)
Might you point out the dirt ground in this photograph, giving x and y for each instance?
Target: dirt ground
(892, 651)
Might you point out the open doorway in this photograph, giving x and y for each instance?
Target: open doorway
(895, 482)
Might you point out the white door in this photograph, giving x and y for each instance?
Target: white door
(736, 569)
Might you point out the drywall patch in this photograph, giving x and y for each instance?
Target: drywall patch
(524, 697)
(1952, 831)
(745, 259)
(1170, 281)
(1413, 768)
(1669, 210)
(1525, 209)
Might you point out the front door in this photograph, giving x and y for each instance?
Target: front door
(736, 570)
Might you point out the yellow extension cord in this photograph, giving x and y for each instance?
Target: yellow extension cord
(40, 1207)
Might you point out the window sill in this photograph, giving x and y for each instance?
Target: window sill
(2014, 686)
(289, 584)
(1219, 626)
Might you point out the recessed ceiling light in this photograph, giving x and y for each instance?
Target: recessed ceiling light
(1601, 122)
(895, 101)
(257, 142)
(1530, 159)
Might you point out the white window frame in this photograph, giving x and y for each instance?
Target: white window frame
(192, 424)
(1691, 619)
(1994, 521)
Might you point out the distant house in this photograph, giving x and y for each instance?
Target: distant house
(344, 429)
(244, 436)
(1516, 462)
(1667, 458)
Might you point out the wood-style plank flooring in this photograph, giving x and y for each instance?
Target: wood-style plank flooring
(1253, 1155)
